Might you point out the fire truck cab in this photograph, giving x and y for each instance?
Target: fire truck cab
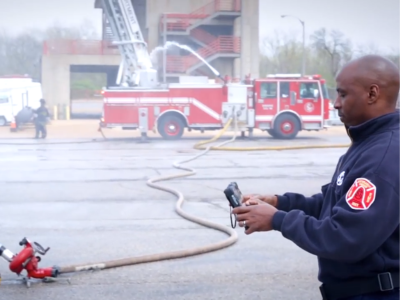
(288, 103)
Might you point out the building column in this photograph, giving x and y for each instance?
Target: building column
(56, 82)
(247, 27)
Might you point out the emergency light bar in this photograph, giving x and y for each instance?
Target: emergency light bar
(284, 76)
(16, 76)
(317, 77)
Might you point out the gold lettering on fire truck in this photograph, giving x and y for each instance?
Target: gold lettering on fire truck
(268, 106)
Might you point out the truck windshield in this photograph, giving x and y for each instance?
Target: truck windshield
(324, 91)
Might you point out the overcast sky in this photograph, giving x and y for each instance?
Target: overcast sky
(363, 21)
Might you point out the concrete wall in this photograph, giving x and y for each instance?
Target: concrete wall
(56, 74)
(247, 26)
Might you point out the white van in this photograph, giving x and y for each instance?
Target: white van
(15, 94)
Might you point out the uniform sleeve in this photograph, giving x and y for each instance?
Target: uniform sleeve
(310, 205)
(361, 221)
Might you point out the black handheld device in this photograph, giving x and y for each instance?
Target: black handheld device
(234, 196)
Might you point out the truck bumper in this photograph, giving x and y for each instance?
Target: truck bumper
(327, 124)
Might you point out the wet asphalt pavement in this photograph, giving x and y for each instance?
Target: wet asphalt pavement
(90, 203)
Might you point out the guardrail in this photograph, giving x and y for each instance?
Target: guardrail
(175, 64)
(203, 36)
(221, 45)
(181, 21)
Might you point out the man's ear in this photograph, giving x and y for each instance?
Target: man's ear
(373, 94)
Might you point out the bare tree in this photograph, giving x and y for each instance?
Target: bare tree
(334, 46)
(22, 54)
(88, 31)
(372, 48)
(85, 30)
(5, 41)
(283, 54)
(394, 57)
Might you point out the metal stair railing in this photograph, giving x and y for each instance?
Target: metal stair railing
(181, 22)
(221, 45)
(203, 36)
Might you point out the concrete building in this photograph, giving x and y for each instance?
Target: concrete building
(224, 32)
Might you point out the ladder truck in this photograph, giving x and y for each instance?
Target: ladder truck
(136, 68)
(281, 104)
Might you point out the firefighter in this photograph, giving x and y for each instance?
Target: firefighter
(41, 119)
(352, 226)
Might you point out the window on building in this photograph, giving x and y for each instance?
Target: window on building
(309, 90)
(284, 89)
(268, 90)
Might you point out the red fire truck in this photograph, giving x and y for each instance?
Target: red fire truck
(282, 105)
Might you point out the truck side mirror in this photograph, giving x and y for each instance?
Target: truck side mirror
(293, 97)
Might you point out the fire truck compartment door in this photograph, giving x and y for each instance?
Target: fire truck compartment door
(251, 117)
(239, 109)
(237, 94)
(143, 120)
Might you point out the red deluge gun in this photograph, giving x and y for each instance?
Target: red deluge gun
(27, 260)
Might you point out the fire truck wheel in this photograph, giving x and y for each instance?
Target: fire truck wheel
(271, 132)
(286, 127)
(171, 127)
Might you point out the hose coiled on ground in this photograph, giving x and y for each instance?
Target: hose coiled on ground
(178, 208)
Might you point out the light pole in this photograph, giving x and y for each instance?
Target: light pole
(303, 69)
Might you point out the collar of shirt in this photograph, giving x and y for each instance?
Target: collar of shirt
(383, 123)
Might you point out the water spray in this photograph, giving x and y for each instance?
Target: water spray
(187, 48)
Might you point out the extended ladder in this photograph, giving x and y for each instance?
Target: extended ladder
(128, 36)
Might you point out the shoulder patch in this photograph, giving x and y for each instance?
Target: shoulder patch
(361, 194)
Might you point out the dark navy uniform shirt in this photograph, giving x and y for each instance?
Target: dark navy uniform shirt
(42, 115)
(353, 225)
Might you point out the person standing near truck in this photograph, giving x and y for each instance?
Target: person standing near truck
(41, 115)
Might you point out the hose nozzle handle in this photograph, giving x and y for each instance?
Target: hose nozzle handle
(23, 242)
(39, 248)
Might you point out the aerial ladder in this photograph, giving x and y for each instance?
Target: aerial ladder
(136, 68)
